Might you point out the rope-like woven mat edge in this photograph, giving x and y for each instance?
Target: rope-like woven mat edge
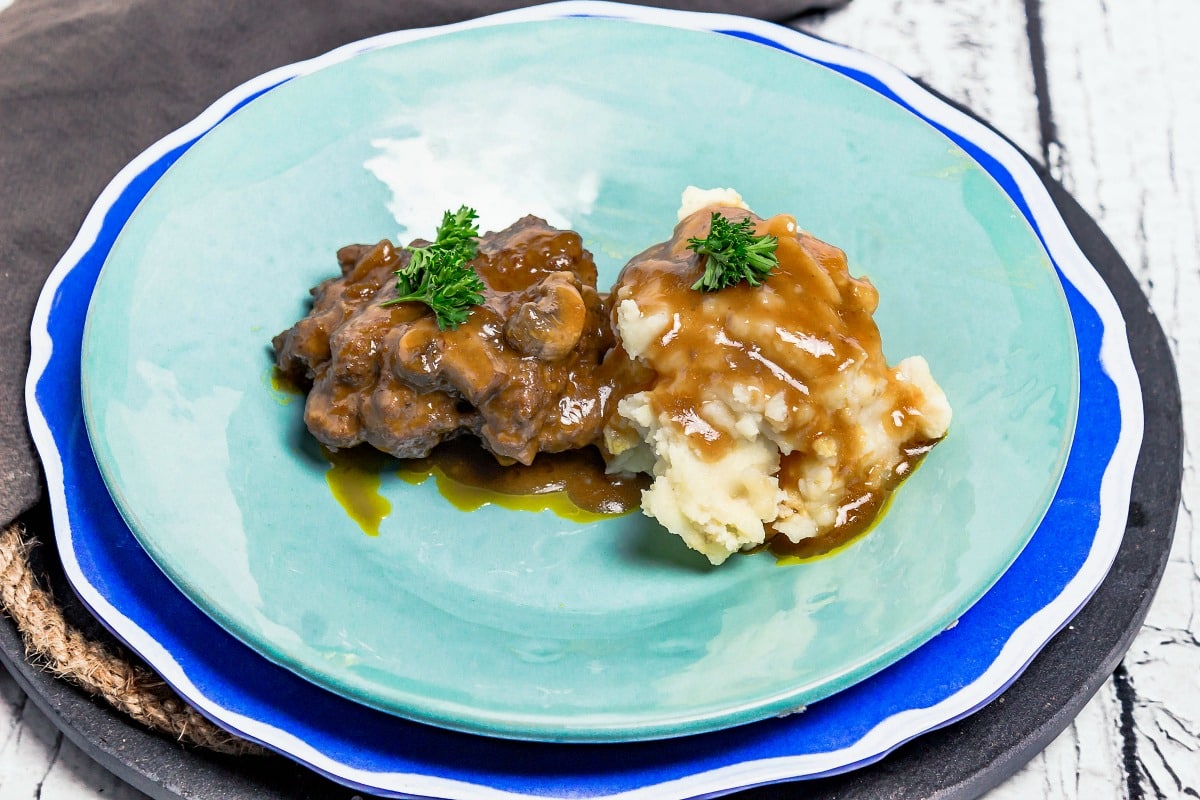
(115, 677)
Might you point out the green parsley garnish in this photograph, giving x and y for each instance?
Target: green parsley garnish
(732, 253)
(440, 274)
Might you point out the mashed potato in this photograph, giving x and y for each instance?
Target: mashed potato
(770, 410)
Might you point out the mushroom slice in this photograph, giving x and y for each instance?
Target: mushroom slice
(550, 323)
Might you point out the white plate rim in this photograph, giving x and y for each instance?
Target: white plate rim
(1022, 646)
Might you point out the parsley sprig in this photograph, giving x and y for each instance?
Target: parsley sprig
(732, 253)
(440, 274)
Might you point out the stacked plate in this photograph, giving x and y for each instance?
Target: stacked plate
(501, 653)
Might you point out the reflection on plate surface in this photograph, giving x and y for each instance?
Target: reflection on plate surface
(524, 625)
(950, 676)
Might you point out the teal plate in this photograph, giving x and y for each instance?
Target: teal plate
(525, 625)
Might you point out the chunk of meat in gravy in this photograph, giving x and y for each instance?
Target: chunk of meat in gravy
(523, 373)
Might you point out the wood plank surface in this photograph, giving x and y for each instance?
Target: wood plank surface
(1117, 120)
(974, 53)
(1126, 110)
(38, 763)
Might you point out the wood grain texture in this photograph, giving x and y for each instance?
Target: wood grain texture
(1122, 104)
(38, 763)
(975, 53)
(1122, 85)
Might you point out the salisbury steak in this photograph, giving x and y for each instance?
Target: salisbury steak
(522, 373)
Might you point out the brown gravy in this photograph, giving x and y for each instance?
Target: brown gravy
(573, 484)
(576, 475)
(793, 336)
(522, 371)
(856, 516)
(354, 477)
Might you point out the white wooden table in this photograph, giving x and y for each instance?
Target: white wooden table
(1106, 92)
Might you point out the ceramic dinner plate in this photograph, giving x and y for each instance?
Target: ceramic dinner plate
(529, 625)
(948, 677)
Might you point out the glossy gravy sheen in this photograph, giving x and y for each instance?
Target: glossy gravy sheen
(578, 475)
(354, 478)
(795, 339)
(796, 362)
(794, 335)
(573, 484)
(856, 517)
(522, 372)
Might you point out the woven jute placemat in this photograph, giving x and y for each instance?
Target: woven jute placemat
(104, 670)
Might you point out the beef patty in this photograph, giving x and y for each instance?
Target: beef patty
(523, 373)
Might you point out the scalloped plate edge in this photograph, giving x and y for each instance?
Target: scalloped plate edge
(1025, 642)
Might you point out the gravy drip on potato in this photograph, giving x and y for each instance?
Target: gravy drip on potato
(523, 373)
(793, 367)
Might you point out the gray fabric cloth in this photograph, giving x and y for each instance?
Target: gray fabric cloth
(86, 86)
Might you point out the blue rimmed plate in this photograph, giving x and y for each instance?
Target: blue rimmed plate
(780, 749)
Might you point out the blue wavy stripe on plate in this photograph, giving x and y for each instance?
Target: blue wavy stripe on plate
(947, 678)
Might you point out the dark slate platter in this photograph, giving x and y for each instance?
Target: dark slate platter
(963, 760)
(960, 761)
